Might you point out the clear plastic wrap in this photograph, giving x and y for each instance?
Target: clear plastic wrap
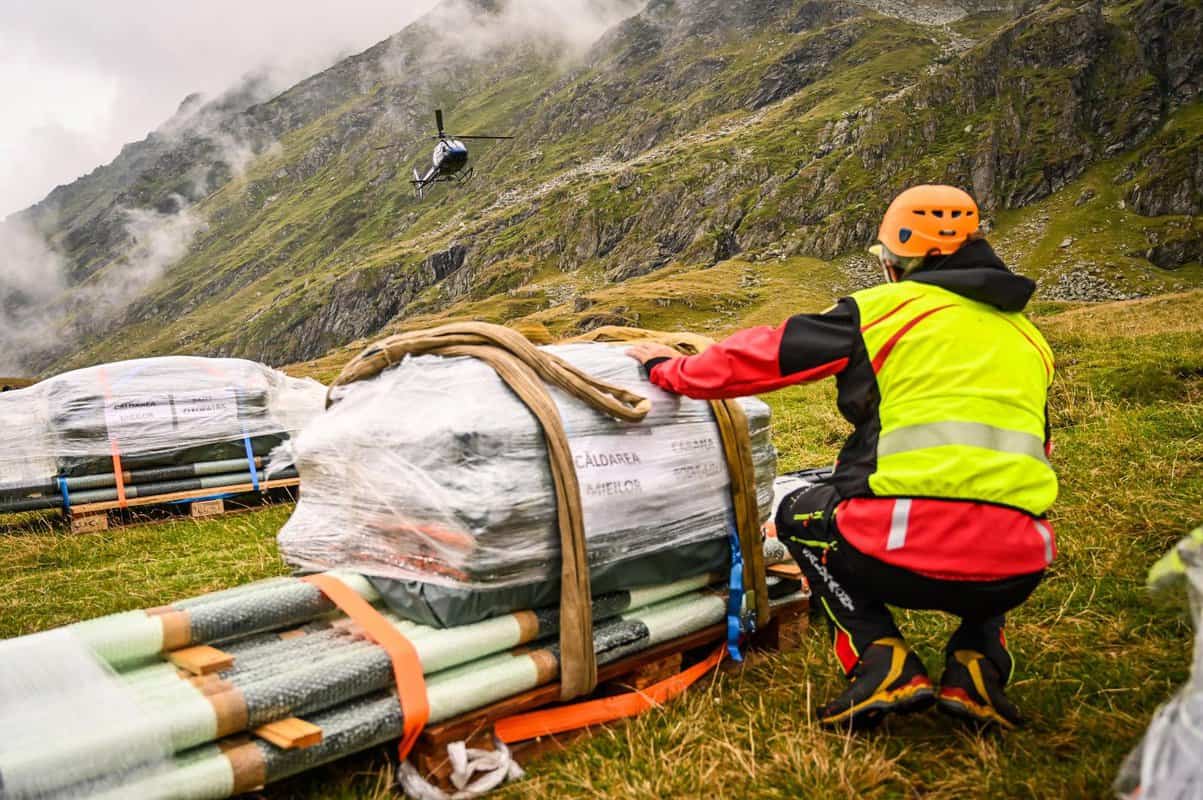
(166, 418)
(69, 727)
(432, 477)
(1168, 763)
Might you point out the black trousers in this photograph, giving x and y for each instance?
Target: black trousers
(853, 588)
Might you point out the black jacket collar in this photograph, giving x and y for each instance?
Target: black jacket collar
(976, 272)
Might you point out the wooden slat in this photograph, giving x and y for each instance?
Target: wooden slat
(241, 488)
(89, 523)
(201, 660)
(290, 734)
(651, 674)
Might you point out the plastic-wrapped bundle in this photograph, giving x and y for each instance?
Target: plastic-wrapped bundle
(432, 478)
(69, 727)
(1166, 765)
(167, 420)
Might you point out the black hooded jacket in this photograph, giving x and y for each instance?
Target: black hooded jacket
(976, 272)
(808, 347)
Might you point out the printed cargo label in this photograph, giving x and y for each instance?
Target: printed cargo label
(217, 408)
(133, 416)
(627, 475)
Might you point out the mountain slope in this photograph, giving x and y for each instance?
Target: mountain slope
(690, 133)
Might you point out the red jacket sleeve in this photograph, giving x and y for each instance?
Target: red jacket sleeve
(804, 348)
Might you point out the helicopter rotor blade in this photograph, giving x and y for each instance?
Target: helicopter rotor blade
(481, 137)
(438, 119)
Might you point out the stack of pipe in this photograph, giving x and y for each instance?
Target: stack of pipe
(175, 737)
(146, 428)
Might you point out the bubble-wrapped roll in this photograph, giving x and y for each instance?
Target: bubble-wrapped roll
(433, 479)
(169, 420)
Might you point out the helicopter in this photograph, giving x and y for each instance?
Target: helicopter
(449, 160)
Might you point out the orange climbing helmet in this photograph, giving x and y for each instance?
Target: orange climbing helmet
(928, 220)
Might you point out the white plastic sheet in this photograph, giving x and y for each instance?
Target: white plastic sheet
(68, 727)
(434, 471)
(151, 412)
(1168, 763)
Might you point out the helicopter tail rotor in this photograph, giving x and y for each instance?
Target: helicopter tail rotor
(438, 119)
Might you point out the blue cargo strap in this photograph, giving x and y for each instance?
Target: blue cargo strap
(250, 461)
(246, 438)
(66, 493)
(735, 596)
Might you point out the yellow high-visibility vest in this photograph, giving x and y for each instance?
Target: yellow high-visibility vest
(963, 392)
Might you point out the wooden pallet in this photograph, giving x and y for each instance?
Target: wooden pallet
(91, 517)
(783, 632)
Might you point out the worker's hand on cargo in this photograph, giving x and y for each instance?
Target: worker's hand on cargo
(647, 351)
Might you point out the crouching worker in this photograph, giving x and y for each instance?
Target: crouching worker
(939, 495)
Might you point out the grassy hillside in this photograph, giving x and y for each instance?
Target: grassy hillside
(691, 133)
(1096, 655)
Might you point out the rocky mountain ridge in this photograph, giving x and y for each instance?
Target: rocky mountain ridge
(689, 133)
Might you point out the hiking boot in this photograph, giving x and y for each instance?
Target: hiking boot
(888, 679)
(972, 690)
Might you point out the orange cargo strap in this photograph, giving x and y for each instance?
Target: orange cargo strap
(114, 445)
(407, 668)
(572, 717)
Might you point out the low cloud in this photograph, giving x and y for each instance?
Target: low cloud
(31, 278)
(144, 71)
(574, 23)
(41, 313)
(464, 30)
(99, 75)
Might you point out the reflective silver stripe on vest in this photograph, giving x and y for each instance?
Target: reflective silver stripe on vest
(972, 434)
(900, 520)
(1047, 536)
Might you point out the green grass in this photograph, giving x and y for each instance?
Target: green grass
(1096, 654)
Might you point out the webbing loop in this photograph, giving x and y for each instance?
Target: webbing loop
(407, 667)
(527, 371)
(550, 721)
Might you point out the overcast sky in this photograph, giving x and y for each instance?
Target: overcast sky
(80, 78)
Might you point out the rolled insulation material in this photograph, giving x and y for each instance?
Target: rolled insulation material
(51, 684)
(214, 482)
(295, 655)
(211, 773)
(302, 675)
(126, 639)
(52, 486)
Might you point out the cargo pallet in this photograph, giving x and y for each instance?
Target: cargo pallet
(783, 633)
(197, 503)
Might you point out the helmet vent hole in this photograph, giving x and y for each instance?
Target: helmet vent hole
(969, 213)
(956, 214)
(937, 213)
(920, 212)
(904, 234)
(948, 233)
